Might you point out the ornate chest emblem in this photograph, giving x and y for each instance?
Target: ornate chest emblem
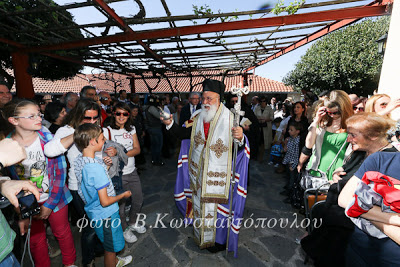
(219, 148)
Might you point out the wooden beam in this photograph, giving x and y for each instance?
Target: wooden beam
(338, 14)
(125, 27)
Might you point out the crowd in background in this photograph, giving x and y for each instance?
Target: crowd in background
(333, 133)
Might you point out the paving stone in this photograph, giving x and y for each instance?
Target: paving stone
(258, 250)
(259, 213)
(282, 248)
(166, 237)
(181, 256)
(150, 200)
(202, 261)
(149, 190)
(147, 253)
(277, 205)
(191, 245)
(169, 186)
(278, 264)
(245, 258)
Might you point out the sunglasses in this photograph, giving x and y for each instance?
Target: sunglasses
(333, 113)
(91, 118)
(125, 114)
(358, 108)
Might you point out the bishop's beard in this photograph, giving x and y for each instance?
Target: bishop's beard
(206, 115)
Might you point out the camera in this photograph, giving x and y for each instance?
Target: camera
(163, 114)
(28, 206)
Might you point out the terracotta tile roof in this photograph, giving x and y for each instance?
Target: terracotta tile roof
(182, 83)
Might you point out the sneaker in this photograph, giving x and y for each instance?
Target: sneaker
(129, 237)
(276, 165)
(270, 163)
(53, 252)
(140, 229)
(123, 261)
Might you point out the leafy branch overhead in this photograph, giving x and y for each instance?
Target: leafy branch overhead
(346, 59)
(26, 29)
(290, 9)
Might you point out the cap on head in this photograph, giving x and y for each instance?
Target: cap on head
(214, 86)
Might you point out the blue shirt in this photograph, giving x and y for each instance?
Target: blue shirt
(95, 178)
(387, 163)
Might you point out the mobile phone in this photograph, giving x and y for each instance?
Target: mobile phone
(28, 206)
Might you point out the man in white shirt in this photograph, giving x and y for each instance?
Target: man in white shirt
(189, 109)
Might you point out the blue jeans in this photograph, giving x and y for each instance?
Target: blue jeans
(10, 261)
(89, 241)
(156, 139)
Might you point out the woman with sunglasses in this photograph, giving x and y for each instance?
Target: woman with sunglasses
(359, 105)
(326, 138)
(85, 111)
(123, 132)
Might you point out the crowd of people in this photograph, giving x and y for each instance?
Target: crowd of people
(84, 154)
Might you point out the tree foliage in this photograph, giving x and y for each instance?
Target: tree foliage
(25, 29)
(347, 60)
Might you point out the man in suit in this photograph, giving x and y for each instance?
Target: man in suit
(189, 109)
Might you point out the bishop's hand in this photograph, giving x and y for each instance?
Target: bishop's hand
(237, 133)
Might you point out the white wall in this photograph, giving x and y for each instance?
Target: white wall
(389, 82)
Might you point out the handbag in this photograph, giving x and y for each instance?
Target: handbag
(308, 180)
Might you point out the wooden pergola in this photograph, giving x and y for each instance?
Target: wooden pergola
(231, 45)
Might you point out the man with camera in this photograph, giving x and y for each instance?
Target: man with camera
(10, 153)
(153, 122)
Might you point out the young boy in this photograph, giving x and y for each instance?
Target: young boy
(97, 191)
(291, 159)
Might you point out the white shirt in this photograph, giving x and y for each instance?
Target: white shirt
(34, 165)
(192, 107)
(54, 148)
(123, 137)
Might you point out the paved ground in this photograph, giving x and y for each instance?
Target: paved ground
(269, 246)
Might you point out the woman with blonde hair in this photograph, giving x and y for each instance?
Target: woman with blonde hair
(326, 140)
(381, 104)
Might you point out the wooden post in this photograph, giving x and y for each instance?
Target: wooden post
(132, 83)
(23, 80)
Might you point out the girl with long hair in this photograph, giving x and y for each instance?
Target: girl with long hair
(49, 174)
(123, 131)
(327, 135)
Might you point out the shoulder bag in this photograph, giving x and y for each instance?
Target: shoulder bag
(310, 181)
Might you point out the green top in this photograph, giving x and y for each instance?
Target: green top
(7, 237)
(331, 145)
